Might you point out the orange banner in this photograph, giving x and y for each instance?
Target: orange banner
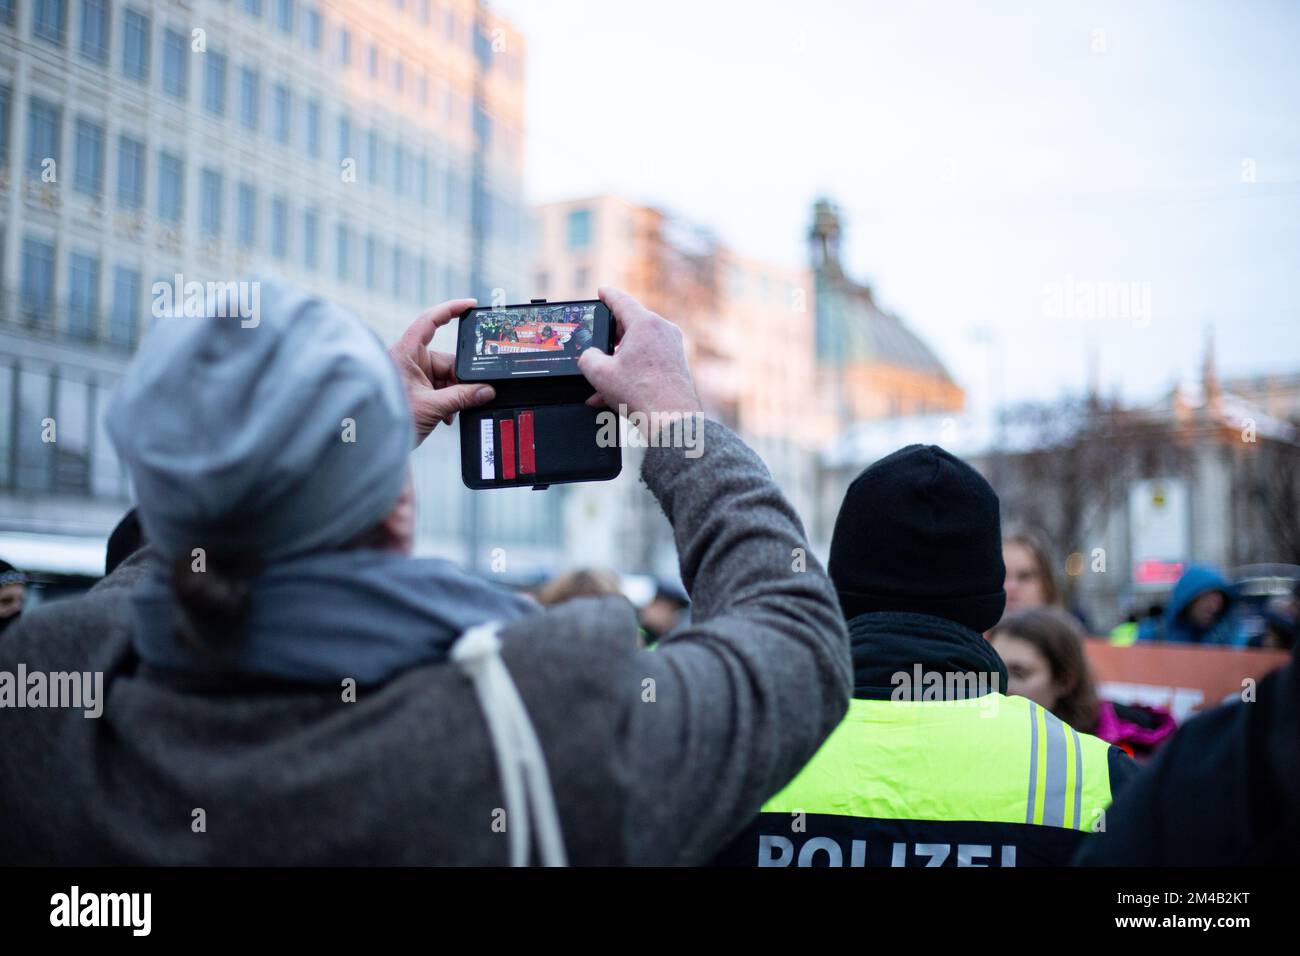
(1182, 678)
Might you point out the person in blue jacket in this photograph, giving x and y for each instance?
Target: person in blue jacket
(1202, 609)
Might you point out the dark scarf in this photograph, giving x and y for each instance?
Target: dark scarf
(892, 642)
(367, 615)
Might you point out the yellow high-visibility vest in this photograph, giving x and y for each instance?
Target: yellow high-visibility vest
(989, 781)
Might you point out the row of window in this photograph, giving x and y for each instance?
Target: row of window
(367, 260)
(80, 460)
(50, 22)
(177, 47)
(36, 294)
(407, 174)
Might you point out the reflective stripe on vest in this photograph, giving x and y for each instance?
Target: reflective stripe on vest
(993, 758)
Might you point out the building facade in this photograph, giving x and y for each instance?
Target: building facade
(748, 328)
(370, 151)
(873, 366)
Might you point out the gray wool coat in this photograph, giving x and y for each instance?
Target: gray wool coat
(656, 757)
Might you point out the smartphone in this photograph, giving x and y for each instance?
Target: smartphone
(536, 341)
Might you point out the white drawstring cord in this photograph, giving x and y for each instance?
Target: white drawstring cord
(525, 782)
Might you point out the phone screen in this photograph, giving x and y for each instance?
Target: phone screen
(529, 341)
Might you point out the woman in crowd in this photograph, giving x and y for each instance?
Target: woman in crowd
(1030, 581)
(1044, 654)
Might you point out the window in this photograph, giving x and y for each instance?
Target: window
(35, 402)
(343, 252)
(309, 223)
(372, 61)
(83, 295)
(88, 177)
(72, 450)
(315, 28)
(36, 289)
(481, 45)
(422, 90)
(424, 13)
(130, 173)
(422, 281)
(281, 113)
(135, 45)
(313, 128)
(737, 281)
(345, 138)
(125, 307)
(44, 122)
(5, 97)
(422, 179)
(214, 83)
(6, 390)
(451, 194)
(398, 76)
(279, 227)
(175, 65)
(48, 20)
(284, 15)
(94, 30)
(253, 7)
(246, 216)
(399, 169)
(7, 15)
(171, 187)
(395, 276)
(249, 93)
(579, 228)
(345, 46)
(374, 153)
(372, 262)
(210, 203)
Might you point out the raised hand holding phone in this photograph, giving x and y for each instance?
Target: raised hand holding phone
(647, 372)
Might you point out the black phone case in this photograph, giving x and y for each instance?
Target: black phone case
(537, 433)
(535, 445)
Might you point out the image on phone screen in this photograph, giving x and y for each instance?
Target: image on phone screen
(528, 340)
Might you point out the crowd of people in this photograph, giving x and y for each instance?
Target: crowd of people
(276, 659)
(572, 330)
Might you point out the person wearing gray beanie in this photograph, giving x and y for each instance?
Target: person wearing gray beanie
(272, 453)
(273, 439)
(278, 665)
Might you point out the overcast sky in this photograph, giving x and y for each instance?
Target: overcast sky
(992, 160)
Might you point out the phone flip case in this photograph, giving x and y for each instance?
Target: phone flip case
(538, 433)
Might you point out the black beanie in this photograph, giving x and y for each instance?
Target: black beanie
(920, 531)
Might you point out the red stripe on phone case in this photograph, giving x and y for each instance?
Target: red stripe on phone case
(527, 465)
(507, 448)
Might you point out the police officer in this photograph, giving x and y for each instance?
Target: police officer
(933, 765)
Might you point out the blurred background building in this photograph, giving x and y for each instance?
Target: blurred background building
(370, 151)
(1125, 496)
(873, 365)
(785, 357)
